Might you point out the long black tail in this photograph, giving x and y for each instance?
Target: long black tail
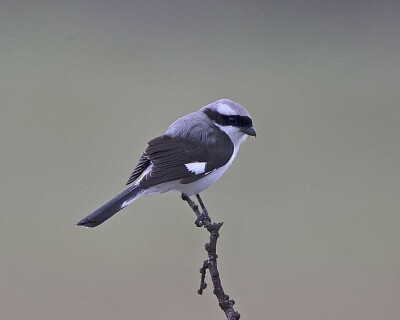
(107, 210)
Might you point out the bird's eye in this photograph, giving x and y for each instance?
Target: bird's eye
(232, 120)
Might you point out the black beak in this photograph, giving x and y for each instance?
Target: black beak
(249, 130)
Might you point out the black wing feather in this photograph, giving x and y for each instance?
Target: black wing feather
(143, 163)
(168, 157)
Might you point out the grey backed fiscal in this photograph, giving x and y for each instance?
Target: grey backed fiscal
(194, 152)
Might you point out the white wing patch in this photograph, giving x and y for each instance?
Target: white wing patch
(196, 167)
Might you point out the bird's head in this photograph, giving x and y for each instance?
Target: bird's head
(232, 118)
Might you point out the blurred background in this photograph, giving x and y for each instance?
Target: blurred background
(311, 206)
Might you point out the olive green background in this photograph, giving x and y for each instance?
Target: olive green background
(311, 206)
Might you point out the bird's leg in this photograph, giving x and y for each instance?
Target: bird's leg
(201, 217)
(203, 207)
(201, 202)
(191, 204)
(204, 213)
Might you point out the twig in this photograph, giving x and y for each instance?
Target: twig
(204, 220)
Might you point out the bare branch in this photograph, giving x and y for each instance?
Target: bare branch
(204, 220)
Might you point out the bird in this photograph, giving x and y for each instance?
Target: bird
(190, 156)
